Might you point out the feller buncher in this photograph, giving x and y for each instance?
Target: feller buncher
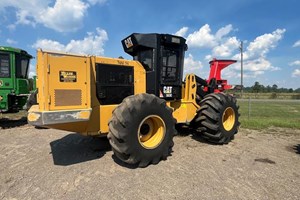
(136, 103)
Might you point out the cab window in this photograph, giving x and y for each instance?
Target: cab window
(4, 66)
(170, 65)
(22, 65)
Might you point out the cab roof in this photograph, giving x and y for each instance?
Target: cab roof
(15, 50)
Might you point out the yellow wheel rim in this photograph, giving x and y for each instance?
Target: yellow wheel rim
(228, 119)
(151, 132)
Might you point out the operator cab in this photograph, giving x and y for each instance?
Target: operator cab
(162, 56)
(14, 86)
(20, 62)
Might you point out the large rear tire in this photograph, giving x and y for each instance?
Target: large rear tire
(217, 119)
(141, 130)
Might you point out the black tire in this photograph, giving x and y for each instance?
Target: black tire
(141, 130)
(32, 100)
(217, 119)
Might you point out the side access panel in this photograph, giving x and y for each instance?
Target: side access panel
(68, 82)
(64, 91)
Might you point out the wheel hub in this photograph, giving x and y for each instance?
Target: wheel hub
(151, 132)
(228, 118)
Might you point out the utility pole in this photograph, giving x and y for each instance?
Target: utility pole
(242, 84)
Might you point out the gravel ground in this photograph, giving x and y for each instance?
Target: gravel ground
(53, 164)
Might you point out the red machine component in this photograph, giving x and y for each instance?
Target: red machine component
(214, 80)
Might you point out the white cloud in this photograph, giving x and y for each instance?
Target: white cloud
(251, 69)
(296, 73)
(223, 31)
(297, 44)
(11, 27)
(208, 57)
(295, 63)
(32, 71)
(264, 43)
(92, 44)
(23, 17)
(27, 12)
(59, 15)
(255, 56)
(227, 48)
(93, 2)
(182, 32)
(65, 15)
(190, 64)
(220, 43)
(202, 38)
(229, 73)
(49, 45)
(223, 44)
(259, 65)
(10, 41)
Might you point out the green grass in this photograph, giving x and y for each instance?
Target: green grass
(270, 95)
(264, 114)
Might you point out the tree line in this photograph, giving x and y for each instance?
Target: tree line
(259, 88)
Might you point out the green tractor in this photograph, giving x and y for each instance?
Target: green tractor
(14, 83)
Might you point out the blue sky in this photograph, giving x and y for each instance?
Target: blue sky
(270, 30)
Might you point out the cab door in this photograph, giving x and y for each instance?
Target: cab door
(6, 80)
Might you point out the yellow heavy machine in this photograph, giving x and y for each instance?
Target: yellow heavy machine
(136, 103)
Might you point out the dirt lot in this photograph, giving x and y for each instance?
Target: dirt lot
(52, 164)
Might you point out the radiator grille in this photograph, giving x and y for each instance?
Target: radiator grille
(67, 97)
